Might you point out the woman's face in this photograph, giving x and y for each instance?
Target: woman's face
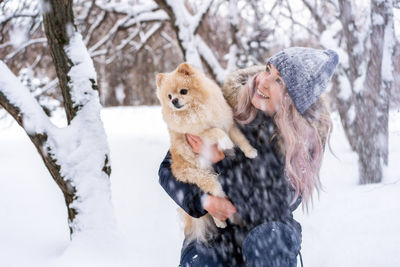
(270, 88)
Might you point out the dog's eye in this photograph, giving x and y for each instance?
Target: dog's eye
(184, 91)
(169, 96)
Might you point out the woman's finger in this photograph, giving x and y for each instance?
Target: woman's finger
(197, 139)
(189, 139)
(192, 142)
(229, 207)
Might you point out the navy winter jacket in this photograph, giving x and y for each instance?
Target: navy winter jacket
(257, 187)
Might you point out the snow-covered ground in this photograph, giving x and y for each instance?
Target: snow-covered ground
(350, 225)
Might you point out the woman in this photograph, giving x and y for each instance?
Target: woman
(281, 113)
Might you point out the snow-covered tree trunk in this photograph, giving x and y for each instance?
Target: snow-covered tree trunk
(371, 75)
(365, 75)
(77, 156)
(58, 24)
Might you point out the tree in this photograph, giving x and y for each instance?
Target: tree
(365, 77)
(193, 47)
(76, 156)
(112, 30)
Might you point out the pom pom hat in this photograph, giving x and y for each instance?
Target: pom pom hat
(306, 72)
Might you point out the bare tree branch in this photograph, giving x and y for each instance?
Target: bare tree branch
(22, 48)
(94, 26)
(198, 18)
(314, 12)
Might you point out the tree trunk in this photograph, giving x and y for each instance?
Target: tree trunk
(58, 23)
(374, 105)
(39, 140)
(367, 131)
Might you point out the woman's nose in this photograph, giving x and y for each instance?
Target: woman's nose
(264, 81)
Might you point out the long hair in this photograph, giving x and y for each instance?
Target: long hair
(245, 112)
(302, 138)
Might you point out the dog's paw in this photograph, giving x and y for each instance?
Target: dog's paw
(225, 143)
(252, 153)
(219, 224)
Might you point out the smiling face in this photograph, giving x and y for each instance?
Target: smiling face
(270, 89)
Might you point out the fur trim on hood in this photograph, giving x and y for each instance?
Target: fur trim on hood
(236, 80)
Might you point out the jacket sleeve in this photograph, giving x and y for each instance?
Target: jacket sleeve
(187, 196)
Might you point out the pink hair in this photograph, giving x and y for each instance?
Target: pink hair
(302, 138)
(245, 112)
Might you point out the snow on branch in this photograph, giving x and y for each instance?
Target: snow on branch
(30, 114)
(94, 26)
(158, 15)
(207, 54)
(110, 35)
(42, 41)
(200, 15)
(144, 37)
(82, 74)
(86, 136)
(192, 45)
(7, 18)
(128, 9)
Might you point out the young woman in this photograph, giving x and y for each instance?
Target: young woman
(280, 110)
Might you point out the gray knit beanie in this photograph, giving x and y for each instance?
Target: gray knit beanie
(306, 72)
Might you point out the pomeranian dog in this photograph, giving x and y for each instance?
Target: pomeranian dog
(194, 104)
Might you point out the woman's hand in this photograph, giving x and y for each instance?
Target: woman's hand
(198, 147)
(219, 207)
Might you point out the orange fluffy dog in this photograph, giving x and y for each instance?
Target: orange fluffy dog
(192, 103)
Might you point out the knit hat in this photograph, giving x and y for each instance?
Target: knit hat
(306, 72)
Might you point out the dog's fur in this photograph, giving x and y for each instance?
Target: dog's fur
(199, 110)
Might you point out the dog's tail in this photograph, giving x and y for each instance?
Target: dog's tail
(200, 229)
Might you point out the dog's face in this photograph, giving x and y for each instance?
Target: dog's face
(180, 89)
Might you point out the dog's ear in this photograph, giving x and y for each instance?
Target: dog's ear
(185, 69)
(159, 79)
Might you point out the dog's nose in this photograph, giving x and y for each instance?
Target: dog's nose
(175, 101)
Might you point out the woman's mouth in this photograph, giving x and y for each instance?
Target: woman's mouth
(261, 95)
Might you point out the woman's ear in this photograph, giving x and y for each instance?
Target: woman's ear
(159, 79)
(185, 69)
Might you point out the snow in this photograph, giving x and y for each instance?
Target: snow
(387, 58)
(23, 46)
(350, 222)
(119, 93)
(34, 119)
(127, 8)
(377, 19)
(187, 25)
(349, 226)
(345, 87)
(18, 35)
(207, 53)
(81, 72)
(82, 160)
(351, 114)
(81, 151)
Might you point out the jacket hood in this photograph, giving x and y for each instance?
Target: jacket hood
(236, 80)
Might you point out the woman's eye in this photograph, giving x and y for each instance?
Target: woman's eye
(279, 81)
(268, 70)
(184, 91)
